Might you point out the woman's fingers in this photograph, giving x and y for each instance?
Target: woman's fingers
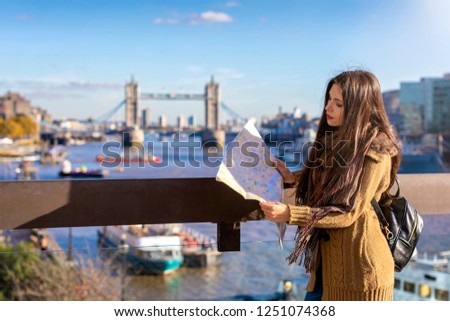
(280, 164)
(288, 176)
(275, 211)
(265, 206)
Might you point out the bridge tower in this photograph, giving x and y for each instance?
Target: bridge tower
(212, 134)
(212, 105)
(131, 104)
(133, 134)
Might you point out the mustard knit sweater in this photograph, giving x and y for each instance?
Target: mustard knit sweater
(356, 261)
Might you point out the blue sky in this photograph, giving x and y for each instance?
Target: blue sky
(73, 57)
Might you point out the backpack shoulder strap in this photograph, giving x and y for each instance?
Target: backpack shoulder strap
(379, 212)
(381, 217)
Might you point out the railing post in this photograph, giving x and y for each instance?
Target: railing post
(229, 237)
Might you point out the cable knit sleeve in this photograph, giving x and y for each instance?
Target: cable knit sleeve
(375, 180)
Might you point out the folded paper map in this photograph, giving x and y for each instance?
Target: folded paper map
(247, 168)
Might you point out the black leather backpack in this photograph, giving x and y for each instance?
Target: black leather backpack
(402, 225)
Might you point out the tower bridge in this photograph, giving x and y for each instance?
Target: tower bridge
(211, 98)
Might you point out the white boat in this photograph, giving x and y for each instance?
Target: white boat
(424, 279)
(55, 155)
(145, 253)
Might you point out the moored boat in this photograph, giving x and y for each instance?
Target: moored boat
(199, 250)
(94, 173)
(55, 155)
(144, 252)
(81, 171)
(121, 159)
(424, 279)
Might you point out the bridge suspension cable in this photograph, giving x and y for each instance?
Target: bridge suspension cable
(233, 113)
(109, 113)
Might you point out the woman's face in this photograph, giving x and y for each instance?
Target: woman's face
(335, 106)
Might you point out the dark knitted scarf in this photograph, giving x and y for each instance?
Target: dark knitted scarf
(324, 194)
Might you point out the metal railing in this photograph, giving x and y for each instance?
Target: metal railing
(75, 203)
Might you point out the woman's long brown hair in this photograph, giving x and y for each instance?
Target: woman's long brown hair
(331, 178)
(364, 118)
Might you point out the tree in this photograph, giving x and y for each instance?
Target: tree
(15, 266)
(28, 125)
(13, 129)
(2, 128)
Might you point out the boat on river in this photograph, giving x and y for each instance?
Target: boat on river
(424, 279)
(144, 251)
(93, 173)
(81, 171)
(161, 248)
(55, 155)
(118, 159)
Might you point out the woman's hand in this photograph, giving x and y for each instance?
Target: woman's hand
(288, 176)
(275, 211)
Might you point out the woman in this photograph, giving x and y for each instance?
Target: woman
(355, 157)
